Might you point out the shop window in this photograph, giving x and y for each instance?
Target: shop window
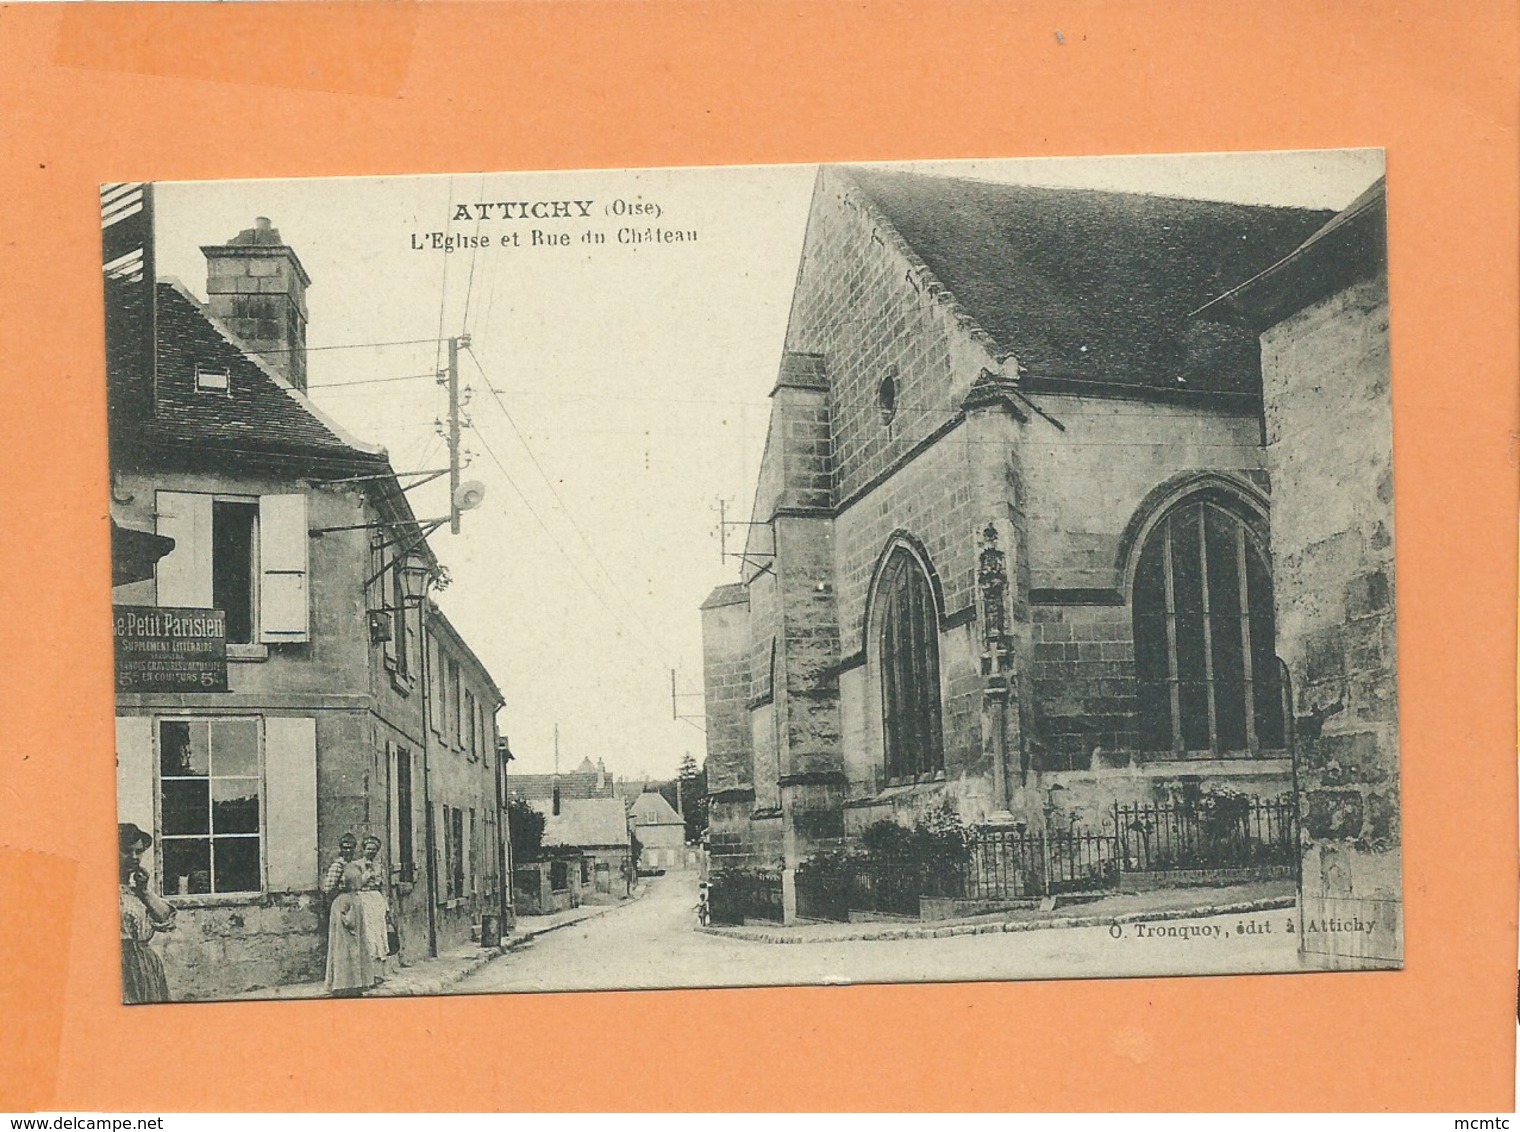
(909, 651)
(210, 801)
(1205, 656)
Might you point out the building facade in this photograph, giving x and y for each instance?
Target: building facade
(661, 832)
(1012, 541)
(285, 537)
(466, 789)
(1322, 313)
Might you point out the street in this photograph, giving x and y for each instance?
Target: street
(653, 943)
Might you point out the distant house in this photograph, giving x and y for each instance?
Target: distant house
(593, 831)
(587, 780)
(660, 830)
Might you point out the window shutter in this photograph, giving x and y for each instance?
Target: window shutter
(184, 574)
(469, 852)
(290, 802)
(284, 613)
(393, 793)
(437, 674)
(440, 852)
(134, 771)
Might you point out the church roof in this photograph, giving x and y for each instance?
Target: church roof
(1083, 285)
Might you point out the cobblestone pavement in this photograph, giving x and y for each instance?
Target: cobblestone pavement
(655, 942)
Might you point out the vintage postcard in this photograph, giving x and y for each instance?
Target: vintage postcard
(753, 576)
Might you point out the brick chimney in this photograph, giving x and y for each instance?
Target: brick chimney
(256, 285)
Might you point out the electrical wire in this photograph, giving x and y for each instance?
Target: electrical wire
(371, 381)
(496, 396)
(654, 648)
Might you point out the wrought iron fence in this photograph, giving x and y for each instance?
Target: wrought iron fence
(735, 895)
(1010, 863)
(1216, 832)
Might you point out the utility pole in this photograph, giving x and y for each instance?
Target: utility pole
(454, 344)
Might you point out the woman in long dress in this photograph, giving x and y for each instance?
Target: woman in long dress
(350, 967)
(143, 915)
(376, 907)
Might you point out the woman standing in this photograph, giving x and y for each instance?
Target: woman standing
(350, 969)
(143, 914)
(376, 907)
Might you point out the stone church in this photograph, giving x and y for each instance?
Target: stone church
(1011, 541)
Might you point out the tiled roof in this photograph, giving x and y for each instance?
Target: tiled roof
(651, 808)
(1353, 244)
(1092, 286)
(585, 822)
(259, 411)
(536, 786)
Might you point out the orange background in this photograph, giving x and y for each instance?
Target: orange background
(171, 91)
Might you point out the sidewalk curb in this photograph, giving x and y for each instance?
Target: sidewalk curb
(995, 926)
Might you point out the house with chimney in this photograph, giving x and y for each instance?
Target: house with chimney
(1011, 555)
(270, 662)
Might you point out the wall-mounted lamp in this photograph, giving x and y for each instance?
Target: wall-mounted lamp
(415, 576)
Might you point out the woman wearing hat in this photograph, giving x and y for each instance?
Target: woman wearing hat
(143, 914)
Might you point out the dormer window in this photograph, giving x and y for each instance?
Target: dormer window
(212, 380)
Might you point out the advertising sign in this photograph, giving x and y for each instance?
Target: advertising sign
(162, 649)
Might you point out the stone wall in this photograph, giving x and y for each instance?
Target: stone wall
(1082, 687)
(866, 303)
(1082, 486)
(1329, 421)
(726, 687)
(216, 952)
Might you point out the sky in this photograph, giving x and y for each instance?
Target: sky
(617, 391)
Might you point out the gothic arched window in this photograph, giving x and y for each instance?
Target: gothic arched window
(909, 642)
(1205, 655)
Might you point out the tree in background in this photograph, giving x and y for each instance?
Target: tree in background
(527, 829)
(693, 781)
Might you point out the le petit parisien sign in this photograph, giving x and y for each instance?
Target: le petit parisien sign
(162, 649)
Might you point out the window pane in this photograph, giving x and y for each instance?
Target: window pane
(235, 805)
(235, 747)
(1268, 687)
(1224, 562)
(185, 806)
(1152, 652)
(1229, 683)
(1187, 596)
(237, 864)
(232, 527)
(183, 748)
(909, 671)
(187, 866)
